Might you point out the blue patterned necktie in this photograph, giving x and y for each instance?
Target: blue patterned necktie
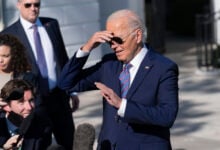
(41, 61)
(124, 78)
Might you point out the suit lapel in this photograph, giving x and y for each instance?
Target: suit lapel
(20, 31)
(22, 35)
(142, 72)
(49, 27)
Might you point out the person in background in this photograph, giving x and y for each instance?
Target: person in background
(47, 54)
(13, 61)
(138, 85)
(21, 127)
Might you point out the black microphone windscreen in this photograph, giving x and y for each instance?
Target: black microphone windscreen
(55, 147)
(84, 137)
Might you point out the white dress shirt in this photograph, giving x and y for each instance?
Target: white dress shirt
(47, 47)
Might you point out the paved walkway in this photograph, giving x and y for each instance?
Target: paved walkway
(197, 126)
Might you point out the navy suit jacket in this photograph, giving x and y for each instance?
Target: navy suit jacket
(152, 100)
(52, 27)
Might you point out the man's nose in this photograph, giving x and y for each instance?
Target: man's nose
(28, 106)
(114, 45)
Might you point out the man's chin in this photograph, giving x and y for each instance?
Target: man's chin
(25, 115)
(32, 19)
(120, 58)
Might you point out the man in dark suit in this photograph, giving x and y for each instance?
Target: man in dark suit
(43, 34)
(140, 119)
(20, 125)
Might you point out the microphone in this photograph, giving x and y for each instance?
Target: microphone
(23, 128)
(84, 137)
(55, 147)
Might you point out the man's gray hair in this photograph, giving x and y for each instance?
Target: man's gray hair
(134, 21)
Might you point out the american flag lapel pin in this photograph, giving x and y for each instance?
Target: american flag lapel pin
(147, 67)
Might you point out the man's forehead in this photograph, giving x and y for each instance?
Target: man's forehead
(28, 94)
(118, 27)
(24, 96)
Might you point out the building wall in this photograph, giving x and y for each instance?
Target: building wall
(215, 4)
(78, 19)
(1, 15)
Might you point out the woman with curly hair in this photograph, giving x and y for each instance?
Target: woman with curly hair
(13, 61)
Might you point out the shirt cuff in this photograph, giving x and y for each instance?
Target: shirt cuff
(73, 94)
(121, 110)
(81, 53)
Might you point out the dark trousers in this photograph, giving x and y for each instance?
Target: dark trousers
(63, 129)
(60, 114)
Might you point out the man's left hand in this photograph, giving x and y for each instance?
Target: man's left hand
(9, 145)
(111, 97)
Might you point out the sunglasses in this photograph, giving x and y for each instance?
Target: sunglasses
(28, 5)
(117, 40)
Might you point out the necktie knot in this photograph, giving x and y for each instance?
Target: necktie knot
(127, 67)
(34, 27)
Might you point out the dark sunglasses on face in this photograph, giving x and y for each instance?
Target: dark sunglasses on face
(117, 40)
(28, 5)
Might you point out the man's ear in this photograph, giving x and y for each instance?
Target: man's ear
(139, 35)
(7, 108)
(18, 5)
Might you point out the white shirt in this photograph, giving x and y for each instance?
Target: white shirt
(47, 47)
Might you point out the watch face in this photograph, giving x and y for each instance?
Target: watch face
(15, 118)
